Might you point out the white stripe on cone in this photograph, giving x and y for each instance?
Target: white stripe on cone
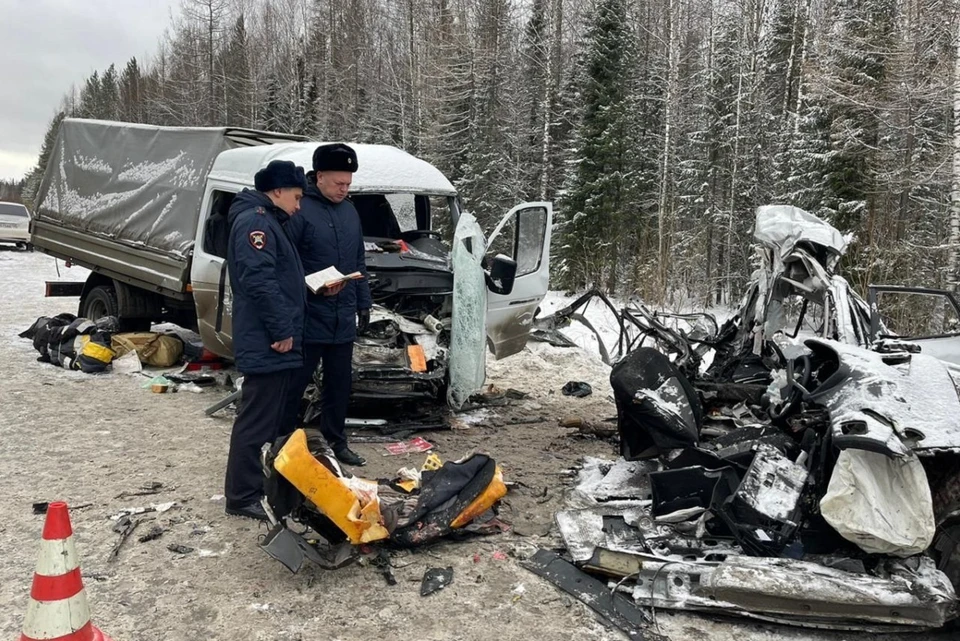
(57, 557)
(52, 619)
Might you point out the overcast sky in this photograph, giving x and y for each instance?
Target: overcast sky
(47, 45)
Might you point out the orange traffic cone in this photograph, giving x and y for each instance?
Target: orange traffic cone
(58, 609)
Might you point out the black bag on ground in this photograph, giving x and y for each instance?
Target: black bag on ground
(42, 330)
(73, 343)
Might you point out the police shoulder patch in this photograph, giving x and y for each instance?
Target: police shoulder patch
(261, 210)
(258, 239)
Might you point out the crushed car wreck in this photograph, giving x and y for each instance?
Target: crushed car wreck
(798, 464)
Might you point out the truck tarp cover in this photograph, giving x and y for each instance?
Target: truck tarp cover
(136, 184)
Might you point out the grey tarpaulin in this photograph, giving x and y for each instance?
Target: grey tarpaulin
(137, 184)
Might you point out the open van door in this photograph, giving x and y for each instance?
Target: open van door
(523, 235)
(467, 369)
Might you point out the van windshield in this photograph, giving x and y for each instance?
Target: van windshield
(393, 215)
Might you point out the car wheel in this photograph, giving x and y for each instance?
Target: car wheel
(946, 510)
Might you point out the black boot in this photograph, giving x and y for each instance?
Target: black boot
(349, 457)
(250, 510)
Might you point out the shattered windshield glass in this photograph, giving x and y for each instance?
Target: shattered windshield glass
(468, 335)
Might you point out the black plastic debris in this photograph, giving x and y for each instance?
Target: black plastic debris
(179, 549)
(577, 389)
(384, 564)
(435, 579)
(154, 533)
(612, 606)
(124, 527)
(147, 489)
(657, 408)
(763, 512)
(680, 491)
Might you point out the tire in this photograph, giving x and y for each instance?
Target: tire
(946, 509)
(99, 302)
(133, 309)
(137, 308)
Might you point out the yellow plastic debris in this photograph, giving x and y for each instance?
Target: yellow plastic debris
(495, 491)
(433, 462)
(360, 521)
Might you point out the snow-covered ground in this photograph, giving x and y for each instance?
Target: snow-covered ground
(87, 439)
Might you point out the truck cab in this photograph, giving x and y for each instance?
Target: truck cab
(435, 278)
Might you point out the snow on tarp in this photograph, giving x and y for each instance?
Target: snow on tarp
(138, 184)
(781, 227)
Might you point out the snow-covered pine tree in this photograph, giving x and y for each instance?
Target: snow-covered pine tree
(595, 210)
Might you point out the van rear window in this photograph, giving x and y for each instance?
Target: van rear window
(12, 209)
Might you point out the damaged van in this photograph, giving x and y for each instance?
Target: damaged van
(439, 302)
(145, 209)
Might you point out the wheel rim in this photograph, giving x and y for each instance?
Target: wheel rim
(96, 309)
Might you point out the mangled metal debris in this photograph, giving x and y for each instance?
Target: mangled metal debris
(335, 511)
(435, 579)
(669, 564)
(797, 464)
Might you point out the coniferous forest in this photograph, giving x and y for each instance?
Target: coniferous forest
(656, 127)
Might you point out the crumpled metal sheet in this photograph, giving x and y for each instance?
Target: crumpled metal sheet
(888, 408)
(792, 592)
(784, 226)
(922, 598)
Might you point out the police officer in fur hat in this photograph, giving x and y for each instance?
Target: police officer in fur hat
(327, 232)
(269, 305)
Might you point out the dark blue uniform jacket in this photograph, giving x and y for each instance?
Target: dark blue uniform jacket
(269, 293)
(326, 234)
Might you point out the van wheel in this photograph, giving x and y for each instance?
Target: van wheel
(99, 302)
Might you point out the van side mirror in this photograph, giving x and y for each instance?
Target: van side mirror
(502, 273)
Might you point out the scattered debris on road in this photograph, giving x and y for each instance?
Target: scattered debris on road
(306, 486)
(577, 389)
(154, 533)
(124, 527)
(435, 579)
(413, 446)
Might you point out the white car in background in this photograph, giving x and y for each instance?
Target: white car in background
(14, 224)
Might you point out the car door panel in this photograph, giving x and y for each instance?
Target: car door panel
(524, 234)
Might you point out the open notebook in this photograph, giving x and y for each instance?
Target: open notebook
(328, 277)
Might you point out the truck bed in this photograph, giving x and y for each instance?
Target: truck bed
(124, 199)
(145, 267)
